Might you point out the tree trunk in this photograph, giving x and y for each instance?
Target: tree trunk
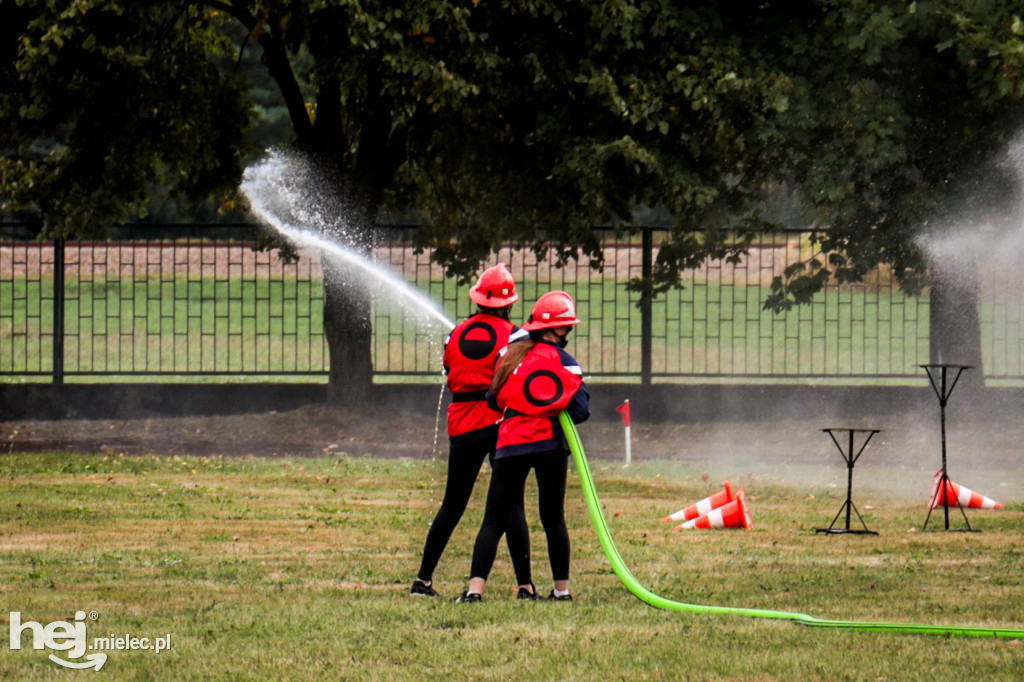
(349, 334)
(347, 296)
(954, 325)
(347, 322)
(346, 202)
(345, 216)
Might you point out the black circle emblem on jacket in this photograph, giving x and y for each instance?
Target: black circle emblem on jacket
(550, 386)
(477, 340)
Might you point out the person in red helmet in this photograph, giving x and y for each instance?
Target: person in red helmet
(536, 379)
(470, 354)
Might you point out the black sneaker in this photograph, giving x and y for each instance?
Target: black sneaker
(421, 589)
(564, 597)
(468, 597)
(526, 595)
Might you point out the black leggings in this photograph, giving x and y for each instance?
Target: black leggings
(506, 491)
(464, 464)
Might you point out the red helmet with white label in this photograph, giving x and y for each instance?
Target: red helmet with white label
(553, 309)
(495, 288)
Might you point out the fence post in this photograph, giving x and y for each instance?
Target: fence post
(646, 330)
(58, 311)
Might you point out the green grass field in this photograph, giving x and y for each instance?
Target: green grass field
(298, 569)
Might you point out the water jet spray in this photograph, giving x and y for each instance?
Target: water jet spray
(270, 196)
(279, 186)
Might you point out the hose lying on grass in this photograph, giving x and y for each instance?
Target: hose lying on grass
(645, 595)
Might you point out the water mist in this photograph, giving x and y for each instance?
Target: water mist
(285, 194)
(982, 239)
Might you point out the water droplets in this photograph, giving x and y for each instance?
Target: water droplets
(287, 194)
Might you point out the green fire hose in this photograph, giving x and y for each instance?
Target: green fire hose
(645, 595)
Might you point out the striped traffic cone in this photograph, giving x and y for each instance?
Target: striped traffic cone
(956, 493)
(715, 501)
(735, 514)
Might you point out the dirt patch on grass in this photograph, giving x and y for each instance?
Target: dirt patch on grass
(318, 430)
(308, 431)
(899, 462)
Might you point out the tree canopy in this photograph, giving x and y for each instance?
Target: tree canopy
(533, 120)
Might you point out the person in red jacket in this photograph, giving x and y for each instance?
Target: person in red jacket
(470, 354)
(535, 381)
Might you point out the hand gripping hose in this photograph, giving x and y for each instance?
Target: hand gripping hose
(645, 595)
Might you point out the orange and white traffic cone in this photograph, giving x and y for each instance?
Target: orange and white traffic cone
(735, 514)
(715, 501)
(956, 493)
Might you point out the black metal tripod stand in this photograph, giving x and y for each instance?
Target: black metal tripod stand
(938, 376)
(850, 457)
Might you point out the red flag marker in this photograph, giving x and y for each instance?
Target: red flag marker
(623, 410)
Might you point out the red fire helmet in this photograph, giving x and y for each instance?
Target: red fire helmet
(495, 288)
(553, 309)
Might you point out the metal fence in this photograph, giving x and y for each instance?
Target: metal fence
(179, 304)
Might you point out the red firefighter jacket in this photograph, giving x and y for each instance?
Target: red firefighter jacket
(470, 353)
(547, 381)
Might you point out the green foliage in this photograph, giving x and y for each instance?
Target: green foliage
(531, 122)
(892, 126)
(103, 98)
